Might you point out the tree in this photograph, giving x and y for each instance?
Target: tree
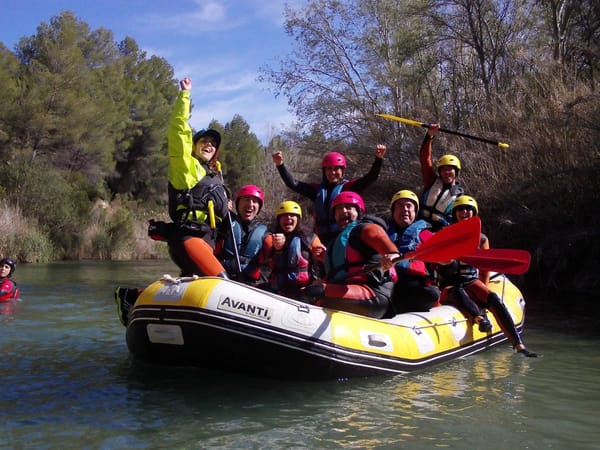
(241, 154)
(573, 28)
(60, 119)
(9, 94)
(147, 89)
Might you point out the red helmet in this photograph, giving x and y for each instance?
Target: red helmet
(347, 197)
(251, 190)
(334, 159)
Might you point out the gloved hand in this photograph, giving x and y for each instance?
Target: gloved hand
(310, 294)
(159, 230)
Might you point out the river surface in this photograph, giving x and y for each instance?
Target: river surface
(68, 381)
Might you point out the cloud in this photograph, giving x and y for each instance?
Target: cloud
(207, 16)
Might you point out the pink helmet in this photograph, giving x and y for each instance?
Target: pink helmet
(348, 197)
(251, 190)
(334, 159)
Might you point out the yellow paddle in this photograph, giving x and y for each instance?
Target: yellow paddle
(443, 130)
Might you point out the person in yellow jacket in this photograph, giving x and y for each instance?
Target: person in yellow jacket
(198, 201)
(197, 198)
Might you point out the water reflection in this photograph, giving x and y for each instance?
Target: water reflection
(8, 308)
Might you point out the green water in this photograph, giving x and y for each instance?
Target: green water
(67, 381)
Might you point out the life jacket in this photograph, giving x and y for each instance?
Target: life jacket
(349, 253)
(249, 244)
(192, 204)
(324, 219)
(8, 290)
(408, 241)
(438, 200)
(290, 266)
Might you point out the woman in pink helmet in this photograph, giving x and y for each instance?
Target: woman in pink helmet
(333, 182)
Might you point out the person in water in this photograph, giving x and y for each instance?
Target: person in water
(8, 287)
(466, 286)
(333, 167)
(240, 251)
(362, 241)
(440, 184)
(292, 252)
(414, 291)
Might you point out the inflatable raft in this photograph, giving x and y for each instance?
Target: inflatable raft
(224, 324)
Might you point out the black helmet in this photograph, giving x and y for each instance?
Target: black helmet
(210, 132)
(11, 263)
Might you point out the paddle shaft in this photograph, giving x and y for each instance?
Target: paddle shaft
(231, 230)
(443, 130)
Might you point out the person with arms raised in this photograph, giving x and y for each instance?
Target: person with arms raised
(193, 185)
(333, 168)
(197, 200)
(440, 184)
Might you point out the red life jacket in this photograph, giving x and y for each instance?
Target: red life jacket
(8, 290)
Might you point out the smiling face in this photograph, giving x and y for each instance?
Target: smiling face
(205, 148)
(463, 212)
(404, 212)
(248, 207)
(4, 270)
(345, 214)
(334, 174)
(287, 222)
(448, 174)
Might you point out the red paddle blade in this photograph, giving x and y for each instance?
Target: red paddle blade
(451, 242)
(503, 260)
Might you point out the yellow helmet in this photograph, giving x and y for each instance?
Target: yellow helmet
(449, 160)
(465, 200)
(405, 193)
(288, 207)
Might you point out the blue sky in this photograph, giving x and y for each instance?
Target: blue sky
(219, 44)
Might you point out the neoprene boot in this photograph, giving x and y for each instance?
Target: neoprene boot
(125, 299)
(484, 324)
(498, 309)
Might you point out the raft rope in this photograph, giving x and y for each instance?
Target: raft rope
(178, 280)
(415, 328)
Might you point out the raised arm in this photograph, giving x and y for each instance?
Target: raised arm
(305, 189)
(360, 184)
(427, 170)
